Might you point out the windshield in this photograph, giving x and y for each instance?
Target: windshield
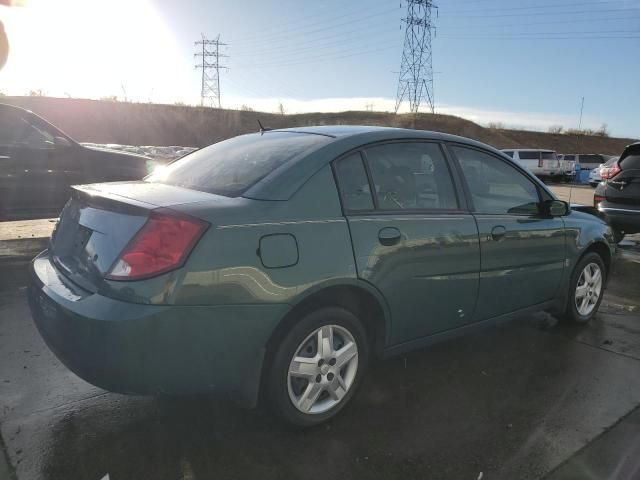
(230, 167)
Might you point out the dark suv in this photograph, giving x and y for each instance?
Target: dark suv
(39, 163)
(618, 196)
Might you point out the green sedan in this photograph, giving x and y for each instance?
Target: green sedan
(276, 265)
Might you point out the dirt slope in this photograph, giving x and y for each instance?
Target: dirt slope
(152, 124)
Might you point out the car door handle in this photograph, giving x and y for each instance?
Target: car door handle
(389, 236)
(498, 232)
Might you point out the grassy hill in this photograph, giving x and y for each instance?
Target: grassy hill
(153, 124)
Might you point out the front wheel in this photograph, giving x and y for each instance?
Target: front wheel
(318, 366)
(586, 289)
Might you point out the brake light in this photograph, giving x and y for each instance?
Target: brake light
(597, 199)
(610, 172)
(161, 245)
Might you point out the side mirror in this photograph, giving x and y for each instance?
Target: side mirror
(61, 142)
(555, 208)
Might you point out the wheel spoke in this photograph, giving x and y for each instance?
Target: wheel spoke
(309, 396)
(581, 291)
(587, 274)
(304, 367)
(345, 354)
(325, 341)
(597, 278)
(337, 388)
(583, 304)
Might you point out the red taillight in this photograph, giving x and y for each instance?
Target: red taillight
(597, 199)
(163, 244)
(610, 172)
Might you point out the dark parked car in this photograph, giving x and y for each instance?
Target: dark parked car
(277, 264)
(618, 196)
(39, 163)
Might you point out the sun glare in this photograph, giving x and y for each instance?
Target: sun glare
(92, 48)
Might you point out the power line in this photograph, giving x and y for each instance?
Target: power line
(314, 59)
(286, 35)
(576, 12)
(546, 22)
(546, 6)
(283, 29)
(416, 71)
(210, 82)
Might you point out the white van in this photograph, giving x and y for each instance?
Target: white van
(542, 163)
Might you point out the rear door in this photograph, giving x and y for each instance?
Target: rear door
(411, 239)
(522, 252)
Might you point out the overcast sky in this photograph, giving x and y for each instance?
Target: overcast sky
(525, 64)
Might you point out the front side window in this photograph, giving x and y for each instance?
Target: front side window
(411, 176)
(495, 186)
(353, 183)
(232, 166)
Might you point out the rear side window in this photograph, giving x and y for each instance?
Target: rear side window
(529, 155)
(548, 155)
(353, 183)
(411, 176)
(570, 157)
(232, 166)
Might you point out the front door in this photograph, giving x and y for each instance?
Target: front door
(411, 239)
(522, 252)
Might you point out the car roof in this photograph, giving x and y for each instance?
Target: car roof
(285, 180)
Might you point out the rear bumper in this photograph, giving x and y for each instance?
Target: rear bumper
(620, 216)
(151, 349)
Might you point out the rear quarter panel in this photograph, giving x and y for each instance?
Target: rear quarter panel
(226, 267)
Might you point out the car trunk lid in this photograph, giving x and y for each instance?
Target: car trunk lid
(100, 220)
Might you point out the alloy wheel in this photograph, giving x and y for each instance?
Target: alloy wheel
(323, 369)
(588, 289)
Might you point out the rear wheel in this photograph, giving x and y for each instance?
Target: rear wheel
(586, 289)
(318, 366)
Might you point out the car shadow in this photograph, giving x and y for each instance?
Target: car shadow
(503, 401)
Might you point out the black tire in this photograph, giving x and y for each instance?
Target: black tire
(278, 374)
(571, 313)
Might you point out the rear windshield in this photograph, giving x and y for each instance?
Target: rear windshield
(232, 166)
